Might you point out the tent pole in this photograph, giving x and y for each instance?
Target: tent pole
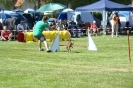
(132, 2)
(104, 22)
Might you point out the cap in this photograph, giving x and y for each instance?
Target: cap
(94, 21)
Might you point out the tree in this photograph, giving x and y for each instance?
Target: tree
(74, 3)
(6, 3)
(38, 2)
(126, 2)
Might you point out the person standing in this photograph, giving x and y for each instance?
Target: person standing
(37, 32)
(115, 25)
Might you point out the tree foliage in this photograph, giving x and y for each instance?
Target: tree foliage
(7, 3)
(126, 2)
(78, 3)
(74, 3)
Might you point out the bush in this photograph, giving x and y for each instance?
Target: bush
(98, 15)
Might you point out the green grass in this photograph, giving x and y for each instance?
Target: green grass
(22, 65)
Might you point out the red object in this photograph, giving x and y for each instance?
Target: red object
(94, 26)
(21, 37)
(87, 25)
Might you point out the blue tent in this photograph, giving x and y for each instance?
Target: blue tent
(64, 15)
(130, 5)
(4, 16)
(105, 5)
(124, 13)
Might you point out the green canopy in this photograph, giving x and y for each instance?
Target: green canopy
(51, 7)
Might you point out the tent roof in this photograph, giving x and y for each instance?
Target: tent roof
(104, 5)
(67, 10)
(130, 5)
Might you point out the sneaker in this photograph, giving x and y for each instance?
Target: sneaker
(41, 49)
(48, 50)
(9, 40)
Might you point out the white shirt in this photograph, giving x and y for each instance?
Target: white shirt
(19, 26)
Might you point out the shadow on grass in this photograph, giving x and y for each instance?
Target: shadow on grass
(70, 51)
(77, 52)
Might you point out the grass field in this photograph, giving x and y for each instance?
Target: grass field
(22, 65)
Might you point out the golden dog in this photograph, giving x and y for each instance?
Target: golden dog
(69, 45)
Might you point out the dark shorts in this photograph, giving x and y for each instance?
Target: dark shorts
(39, 37)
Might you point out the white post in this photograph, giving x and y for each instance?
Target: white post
(132, 2)
(104, 22)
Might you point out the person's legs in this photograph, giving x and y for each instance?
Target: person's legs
(45, 43)
(10, 36)
(39, 42)
(95, 32)
(116, 29)
(4, 38)
(40, 45)
(113, 27)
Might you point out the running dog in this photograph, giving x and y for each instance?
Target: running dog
(69, 46)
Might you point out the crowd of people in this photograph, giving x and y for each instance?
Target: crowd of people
(71, 26)
(74, 28)
(61, 25)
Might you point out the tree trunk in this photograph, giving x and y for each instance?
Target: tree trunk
(38, 4)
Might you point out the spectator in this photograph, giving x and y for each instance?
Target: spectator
(108, 23)
(65, 24)
(9, 26)
(52, 26)
(20, 27)
(94, 28)
(73, 25)
(5, 34)
(115, 24)
(59, 25)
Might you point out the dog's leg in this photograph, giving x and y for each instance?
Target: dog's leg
(68, 49)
